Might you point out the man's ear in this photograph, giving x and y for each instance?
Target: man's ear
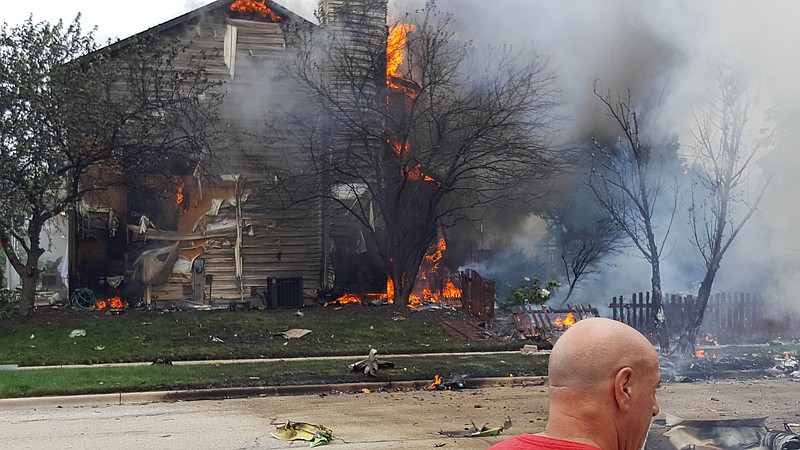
(622, 388)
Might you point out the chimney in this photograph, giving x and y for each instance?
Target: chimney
(362, 24)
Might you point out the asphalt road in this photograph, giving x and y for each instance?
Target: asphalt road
(408, 419)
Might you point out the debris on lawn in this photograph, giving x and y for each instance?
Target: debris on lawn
(100, 348)
(293, 333)
(299, 313)
(216, 339)
(371, 365)
(788, 364)
(316, 435)
(529, 349)
(76, 333)
(484, 431)
(724, 434)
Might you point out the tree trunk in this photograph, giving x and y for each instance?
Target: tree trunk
(659, 319)
(29, 278)
(686, 345)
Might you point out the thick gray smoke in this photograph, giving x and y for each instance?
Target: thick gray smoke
(664, 52)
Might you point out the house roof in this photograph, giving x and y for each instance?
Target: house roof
(282, 11)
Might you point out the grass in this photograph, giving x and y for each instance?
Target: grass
(44, 382)
(142, 336)
(146, 336)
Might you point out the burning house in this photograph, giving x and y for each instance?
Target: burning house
(225, 233)
(216, 235)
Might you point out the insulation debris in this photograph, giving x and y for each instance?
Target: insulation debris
(301, 431)
(293, 333)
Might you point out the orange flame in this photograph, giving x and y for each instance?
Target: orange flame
(112, 303)
(179, 194)
(254, 7)
(565, 322)
(437, 384)
(700, 354)
(425, 292)
(396, 49)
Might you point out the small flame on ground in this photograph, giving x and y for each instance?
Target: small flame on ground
(110, 303)
(700, 354)
(438, 384)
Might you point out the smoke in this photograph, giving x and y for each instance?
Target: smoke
(664, 52)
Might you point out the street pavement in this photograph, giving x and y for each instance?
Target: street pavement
(405, 419)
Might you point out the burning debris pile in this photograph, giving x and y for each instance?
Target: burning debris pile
(538, 322)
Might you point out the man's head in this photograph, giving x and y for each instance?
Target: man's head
(603, 373)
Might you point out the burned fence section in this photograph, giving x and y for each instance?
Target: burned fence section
(541, 322)
(729, 316)
(477, 295)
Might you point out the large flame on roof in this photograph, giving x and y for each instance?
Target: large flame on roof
(254, 7)
(396, 49)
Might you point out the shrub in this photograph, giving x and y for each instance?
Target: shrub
(9, 301)
(536, 294)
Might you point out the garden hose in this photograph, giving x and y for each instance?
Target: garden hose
(83, 298)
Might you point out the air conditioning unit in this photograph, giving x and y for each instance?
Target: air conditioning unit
(284, 293)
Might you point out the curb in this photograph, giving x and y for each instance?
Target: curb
(127, 398)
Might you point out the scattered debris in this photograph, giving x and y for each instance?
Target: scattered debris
(724, 434)
(474, 431)
(77, 333)
(371, 365)
(216, 339)
(293, 333)
(299, 313)
(529, 349)
(455, 382)
(100, 347)
(293, 431)
(788, 364)
(161, 361)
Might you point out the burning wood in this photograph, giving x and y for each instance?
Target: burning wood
(254, 8)
(112, 303)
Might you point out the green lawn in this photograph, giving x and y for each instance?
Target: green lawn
(142, 336)
(146, 336)
(43, 382)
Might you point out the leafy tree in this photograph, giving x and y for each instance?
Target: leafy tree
(449, 129)
(727, 188)
(77, 120)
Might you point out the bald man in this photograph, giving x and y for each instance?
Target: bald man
(603, 377)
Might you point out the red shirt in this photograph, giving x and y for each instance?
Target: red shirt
(531, 442)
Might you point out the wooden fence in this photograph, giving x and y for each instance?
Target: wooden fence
(729, 316)
(477, 295)
(539, 321)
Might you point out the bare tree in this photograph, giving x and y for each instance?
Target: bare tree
(76, 121)
(629, 184)
(727, 189)
(418, 147)
(586, 236)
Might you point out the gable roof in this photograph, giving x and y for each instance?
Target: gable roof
(282, 11)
